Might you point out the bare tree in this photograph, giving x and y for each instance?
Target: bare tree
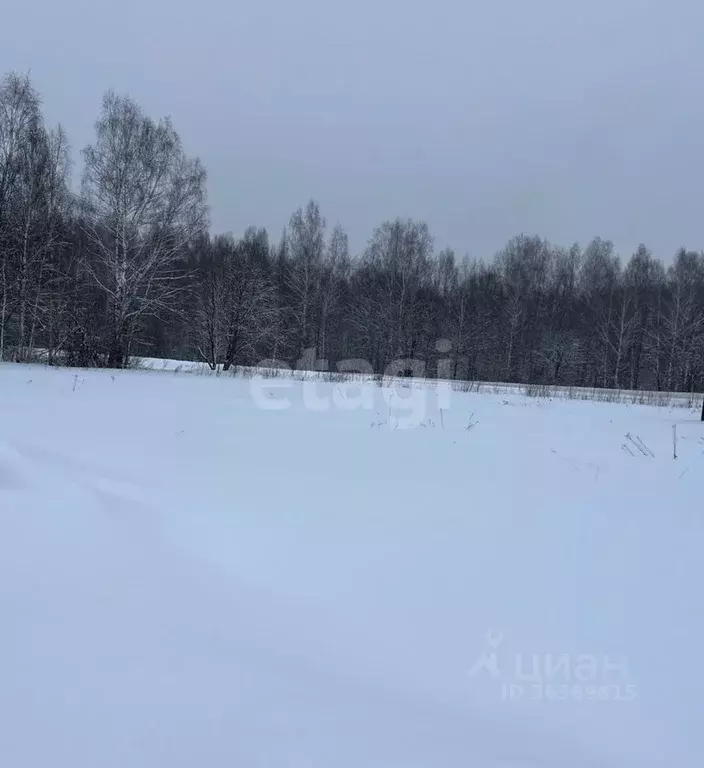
(333, 274)
(20, 119)
(34, 205)
(615, 330)
(642, 278)
(599, 279)
(208, 318)
(251, 317)
(143, 201)
(44, 204)
(306, 243)
(399, 254)
(683, 323)
(524, 265)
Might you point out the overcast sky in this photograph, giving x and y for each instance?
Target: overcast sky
(486, 119)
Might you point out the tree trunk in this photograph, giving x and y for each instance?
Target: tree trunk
(22, 293)
(232, 349)
(3, 312)
(116, 356)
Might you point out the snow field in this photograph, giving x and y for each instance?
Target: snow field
(192, 573)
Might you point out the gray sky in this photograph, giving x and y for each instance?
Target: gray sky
(486, 119)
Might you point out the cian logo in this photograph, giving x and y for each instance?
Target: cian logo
(553, 676)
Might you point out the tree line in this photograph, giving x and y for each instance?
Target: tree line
(126, 266)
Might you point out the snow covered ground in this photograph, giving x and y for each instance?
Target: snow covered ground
(564, 392)
(201, 571)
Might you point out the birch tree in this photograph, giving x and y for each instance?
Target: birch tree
(399, 253)
(19, 119)
(34, 205)
(684, 319)
(143, 201)
(333, 275)
(306, 243)
(42, 206)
